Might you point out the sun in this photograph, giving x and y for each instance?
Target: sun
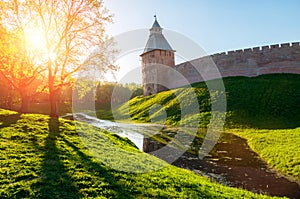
(36, 43)
(35, 39)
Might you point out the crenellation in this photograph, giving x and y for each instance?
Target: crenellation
(264, 48)
(276, 58)
(247, 50)
(285, 45)
(275, 46)
(262, 54)
(256, 49)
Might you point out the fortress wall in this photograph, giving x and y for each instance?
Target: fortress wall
(278, 58)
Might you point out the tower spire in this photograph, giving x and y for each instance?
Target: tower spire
(156, 24)
(156, 40)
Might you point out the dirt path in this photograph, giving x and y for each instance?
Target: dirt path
(233, 163)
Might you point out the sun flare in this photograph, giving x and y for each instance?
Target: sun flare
(36, 43)
(35, 39)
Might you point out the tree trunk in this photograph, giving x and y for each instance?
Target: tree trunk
(9, 102)
(53, 105)
(52, 96)
(53, 112)
(24, 105)
(24, 101)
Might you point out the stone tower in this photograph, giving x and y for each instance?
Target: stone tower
(157, 53)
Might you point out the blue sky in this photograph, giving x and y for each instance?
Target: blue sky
(215, 25)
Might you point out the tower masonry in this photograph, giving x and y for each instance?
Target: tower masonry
(157, 53)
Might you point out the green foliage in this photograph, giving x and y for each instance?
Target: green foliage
(267, 101)
(18, 73)
(110, 92)
(279, 148)
(43, 157)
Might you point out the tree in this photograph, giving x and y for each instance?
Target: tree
(111, 92)
(66, 31)
(16, 69)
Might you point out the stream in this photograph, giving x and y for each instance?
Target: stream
(231, 162)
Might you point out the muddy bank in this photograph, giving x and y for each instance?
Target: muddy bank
(234, 164)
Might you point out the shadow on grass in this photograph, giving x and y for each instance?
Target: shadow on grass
(72, 174)
(8, 120)
(56, 182)
(119, 191)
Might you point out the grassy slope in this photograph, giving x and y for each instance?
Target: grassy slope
(268, 101)
(42, 157)
(264, 102)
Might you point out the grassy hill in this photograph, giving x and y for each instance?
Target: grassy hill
(264, 110)
(44, 157)
(267, 101)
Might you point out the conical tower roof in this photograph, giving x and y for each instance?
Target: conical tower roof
(156, 40)
(156, 24)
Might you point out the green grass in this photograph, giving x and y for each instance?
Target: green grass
(266, 102)
(44, 157)
(105, 114)
(279, 148)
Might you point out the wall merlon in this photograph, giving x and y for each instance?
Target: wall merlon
(265, 47)
(230, 52)
(275, 46)
(248, 50)
(295, 44)
(239, 51)
(256, 49)
(285, 45)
